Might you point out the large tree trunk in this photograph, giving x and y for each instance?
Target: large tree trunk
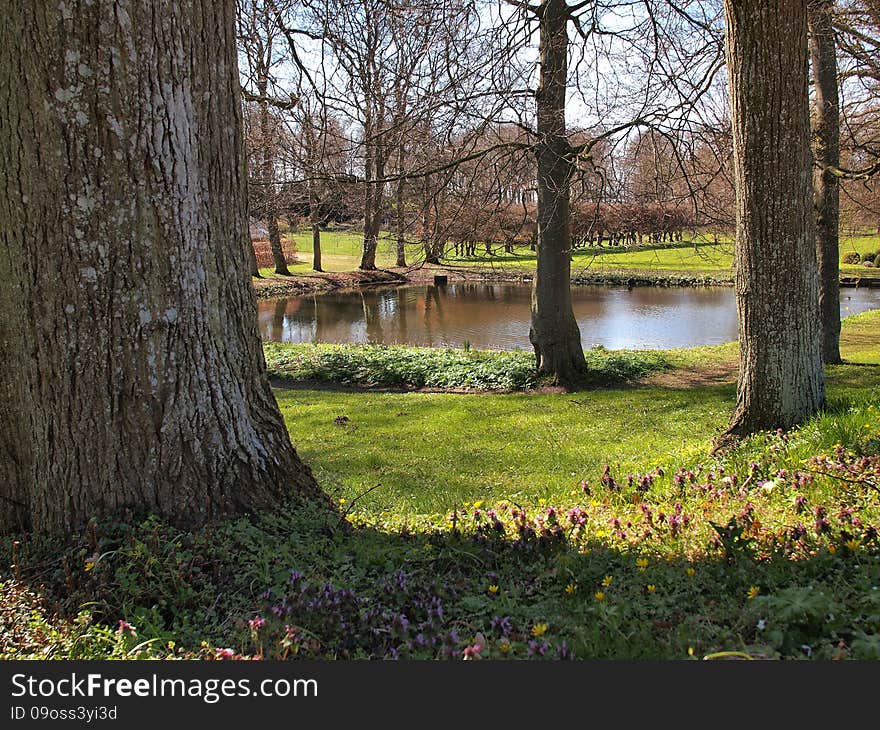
(826, 186)
(554, 331)
(781, 381)
(131, 323)
(267, 173)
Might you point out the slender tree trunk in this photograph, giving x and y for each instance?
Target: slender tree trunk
(267, 173)
(826, 186)
(251, 256)
(427, 232)
(554, 331)
(401, 217)
(314, 204)
(781, 381)
(316, 246)
(133, 330)
(376, 201)
(372, 190)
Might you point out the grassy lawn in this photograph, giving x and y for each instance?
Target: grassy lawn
(431, 452)
(341, 252)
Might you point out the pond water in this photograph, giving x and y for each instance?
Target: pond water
(496, 316)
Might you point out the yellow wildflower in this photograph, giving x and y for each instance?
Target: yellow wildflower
(539, 630)
(651, 588)
(493, 589)
(479, 503)
(642, 563)
(691, 572)
(832, 549)
(571, 588)
(600, 596)
(753, 592)
(853, 544)
(606, 581)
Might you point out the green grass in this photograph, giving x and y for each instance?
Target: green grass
(433, 451)
(341, 252)
(480, 506)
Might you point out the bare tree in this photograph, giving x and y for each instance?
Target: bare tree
(258, 39)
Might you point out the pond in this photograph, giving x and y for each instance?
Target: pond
(496, 316)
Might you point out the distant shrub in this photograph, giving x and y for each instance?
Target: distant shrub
(264, 253)
(852, 257)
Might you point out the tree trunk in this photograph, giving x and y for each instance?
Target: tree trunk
(16, 436)
(316, 247)
(141, 379)
(826, 187)
(267, 173)
(427, 228)
(554, 331)
(371, 192)
(401, 218)
(781, 381)
(251, 256)
(376, 203)
(314, 162)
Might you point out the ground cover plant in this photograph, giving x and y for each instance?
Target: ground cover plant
(393, 365)
(656, 550)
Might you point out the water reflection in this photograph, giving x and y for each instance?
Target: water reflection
(497, 316)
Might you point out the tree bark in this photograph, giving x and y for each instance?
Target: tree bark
(16, 437)
(554, 331)
(781, 381)
(132, 322)
(826, 186)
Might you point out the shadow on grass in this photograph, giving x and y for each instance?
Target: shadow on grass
(490, 583)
